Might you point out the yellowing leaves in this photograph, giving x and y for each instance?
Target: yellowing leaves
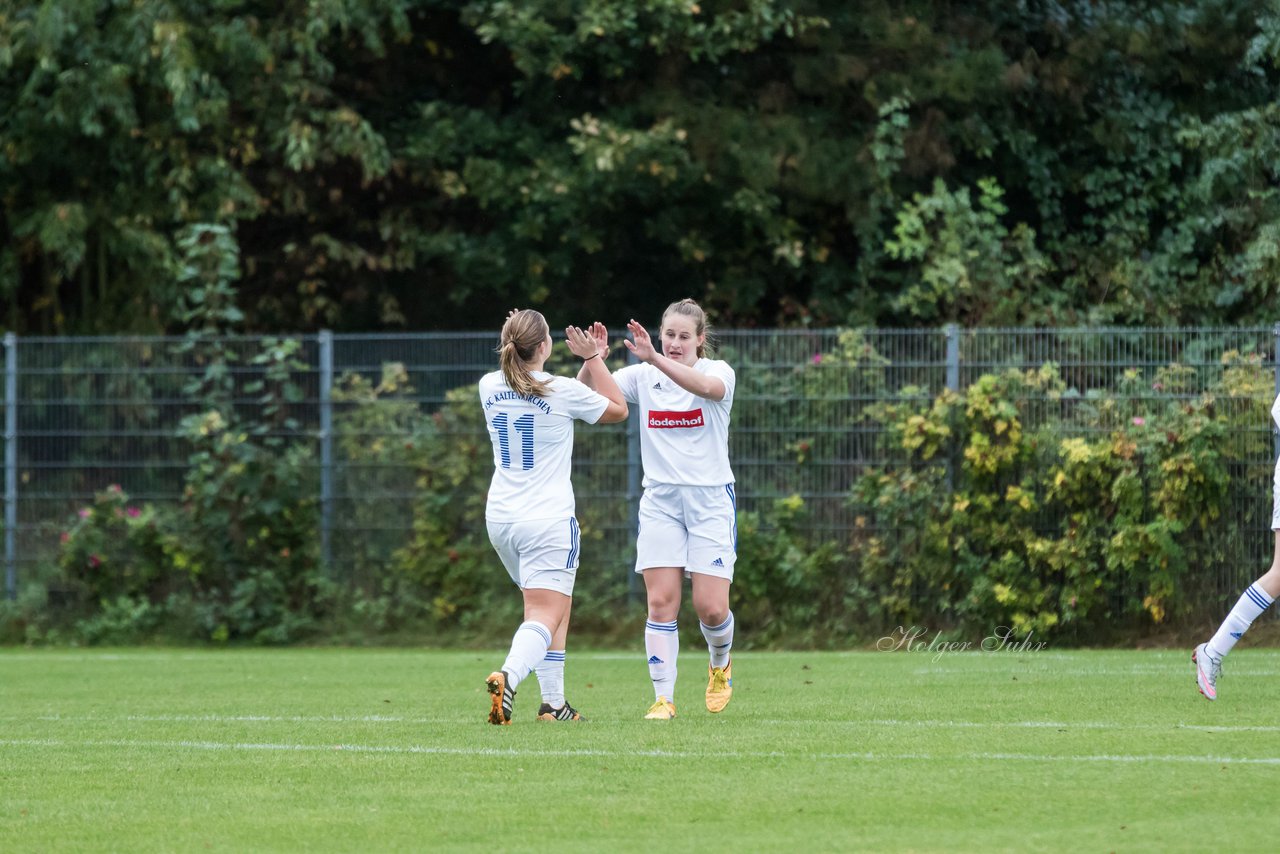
(1076, 451)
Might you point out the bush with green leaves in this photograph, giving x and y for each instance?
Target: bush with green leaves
(447, 557)
(248, 523)
(991, 521)
(790, 591)
(115, 547)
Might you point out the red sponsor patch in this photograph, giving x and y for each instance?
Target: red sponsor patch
(659, 418)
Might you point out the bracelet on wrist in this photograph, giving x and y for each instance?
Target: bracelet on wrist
(589, 358)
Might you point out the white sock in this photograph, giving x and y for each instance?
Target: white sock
(719, 640)
(551, 678)
(1251, 605)
(662, 645)
(528, 647)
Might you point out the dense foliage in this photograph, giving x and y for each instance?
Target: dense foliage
(412, 163)
(989, 520)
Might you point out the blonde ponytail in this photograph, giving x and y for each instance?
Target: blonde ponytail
(522, 334)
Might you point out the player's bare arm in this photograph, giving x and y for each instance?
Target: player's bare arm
(712, 388)
(585, 346)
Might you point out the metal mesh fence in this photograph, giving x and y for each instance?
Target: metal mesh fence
(84, 413)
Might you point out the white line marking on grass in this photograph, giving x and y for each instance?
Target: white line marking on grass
(882, 722)
(665, 754)
(1101, 672)
(250, 719)
(1062, 725)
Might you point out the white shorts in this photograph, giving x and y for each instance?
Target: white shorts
(694, 527)
(541, 554)
(1275, 499)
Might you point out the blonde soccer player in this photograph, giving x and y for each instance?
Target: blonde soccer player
(688, 518)
(1257, 597)
(530, 509)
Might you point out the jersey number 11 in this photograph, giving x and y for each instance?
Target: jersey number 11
(524, 427)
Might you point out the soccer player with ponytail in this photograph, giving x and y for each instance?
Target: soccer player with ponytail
(529, 512)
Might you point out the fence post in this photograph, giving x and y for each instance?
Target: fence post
(326, 449)
(10, 464)
(1275, 436)
(633, 487)
(952, 333)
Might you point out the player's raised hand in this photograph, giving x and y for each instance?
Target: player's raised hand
(601, 336)
(582, 344)
(643, 345)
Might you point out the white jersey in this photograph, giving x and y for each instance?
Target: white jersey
(684, 439)
(1275, 411)
(533, 445)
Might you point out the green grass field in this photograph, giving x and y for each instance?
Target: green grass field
(388, 750)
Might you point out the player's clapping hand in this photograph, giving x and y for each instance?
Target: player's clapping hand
(601, 336)
(643, 346)
(581, 343)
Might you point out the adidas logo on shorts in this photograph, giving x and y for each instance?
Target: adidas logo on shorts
(657, 385)
(717, 562)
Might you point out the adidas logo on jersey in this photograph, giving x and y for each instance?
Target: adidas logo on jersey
(717, 562)
(657, 385)
(653, 659)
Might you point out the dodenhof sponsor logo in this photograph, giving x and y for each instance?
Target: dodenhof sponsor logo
(668, 419)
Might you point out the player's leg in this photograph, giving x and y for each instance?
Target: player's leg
(662, 637)
(1256, 598)
(544, 610)
(712, 516)
(662, 552)
(544, 556)
(551, 676)
(711, 601)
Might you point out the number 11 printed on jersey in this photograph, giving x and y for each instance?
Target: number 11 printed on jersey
(523, 426)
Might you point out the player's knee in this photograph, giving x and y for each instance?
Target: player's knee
(663, 610)
(1270, 580)
(663, 604)
(713, 616)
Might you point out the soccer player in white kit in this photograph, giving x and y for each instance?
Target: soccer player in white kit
(529, 512)
(1208, 656)
(688, 518)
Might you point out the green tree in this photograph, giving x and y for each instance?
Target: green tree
(391, 163)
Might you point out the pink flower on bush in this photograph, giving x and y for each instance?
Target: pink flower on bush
(85, 512)
(1139, 421)
(64, 538)
(817, 358)
(95, 561)
(134, 512)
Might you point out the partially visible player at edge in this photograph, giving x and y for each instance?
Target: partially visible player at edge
(1208, 656)
(530, 509)
(688, 519)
